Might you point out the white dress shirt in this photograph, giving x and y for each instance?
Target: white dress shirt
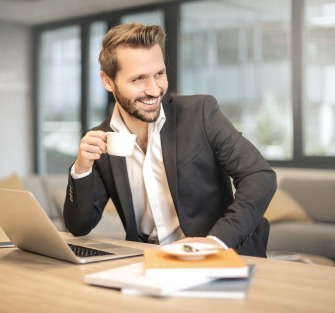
(155, 213)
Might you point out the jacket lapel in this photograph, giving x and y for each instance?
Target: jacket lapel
(119, 169)
(120, 174)
(168, 139)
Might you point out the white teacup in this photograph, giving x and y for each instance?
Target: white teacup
(120, 144)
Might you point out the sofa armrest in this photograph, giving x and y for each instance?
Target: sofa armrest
(312, 238)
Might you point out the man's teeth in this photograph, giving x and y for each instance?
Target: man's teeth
(149, 102)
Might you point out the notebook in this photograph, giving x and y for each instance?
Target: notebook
(224, 288)
(27, 225)
(132, 276)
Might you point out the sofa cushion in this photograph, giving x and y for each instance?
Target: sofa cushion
(315, 195)
(55, 187)
(34, 184)
(58, 196)
(312, 238)
(12, 182)
(284, 208)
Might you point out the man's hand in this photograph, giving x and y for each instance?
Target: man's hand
(92, 145)
(199, 239)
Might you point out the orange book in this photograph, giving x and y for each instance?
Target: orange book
(223, 264)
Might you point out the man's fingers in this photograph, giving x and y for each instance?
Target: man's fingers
(90, 155)
(94, 140)
(91, 146)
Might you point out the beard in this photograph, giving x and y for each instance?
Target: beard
(136, 111)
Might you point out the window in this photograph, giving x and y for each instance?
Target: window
(319, 107)
(241, 55)
(228, 46)
(97, 95)
(59, 98)
(151, 17)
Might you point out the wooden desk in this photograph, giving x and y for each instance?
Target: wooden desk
(33, 283)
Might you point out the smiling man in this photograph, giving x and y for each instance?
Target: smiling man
(176, 186)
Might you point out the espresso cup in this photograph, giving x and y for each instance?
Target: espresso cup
(120, 144)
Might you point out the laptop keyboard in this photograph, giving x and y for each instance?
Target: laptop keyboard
(84, 252)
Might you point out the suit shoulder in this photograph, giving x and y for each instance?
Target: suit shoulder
(192, 100)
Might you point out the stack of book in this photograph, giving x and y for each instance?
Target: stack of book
(223, 274)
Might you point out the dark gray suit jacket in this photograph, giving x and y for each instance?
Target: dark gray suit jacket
(201, 151)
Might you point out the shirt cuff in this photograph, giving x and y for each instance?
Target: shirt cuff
(77, 176)
(221, 243)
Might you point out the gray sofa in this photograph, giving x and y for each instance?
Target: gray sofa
(49, 190)
(313, 190)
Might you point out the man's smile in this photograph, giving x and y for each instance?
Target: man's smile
(152, 102)
(149, 102)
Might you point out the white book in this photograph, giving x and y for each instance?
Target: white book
(132, 276)
(231, 288)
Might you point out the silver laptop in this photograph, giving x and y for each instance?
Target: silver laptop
(29, 228)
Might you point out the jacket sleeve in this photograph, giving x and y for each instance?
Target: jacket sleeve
(253, 178)
(83, 205)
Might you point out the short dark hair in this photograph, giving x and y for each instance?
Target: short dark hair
(128, 35)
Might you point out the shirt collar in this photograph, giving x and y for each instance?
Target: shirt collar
(118, 125)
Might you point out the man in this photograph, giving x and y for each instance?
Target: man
(176, 185)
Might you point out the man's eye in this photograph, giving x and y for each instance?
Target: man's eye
(138, 79)
(160, 74)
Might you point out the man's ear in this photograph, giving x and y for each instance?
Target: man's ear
(107, 81)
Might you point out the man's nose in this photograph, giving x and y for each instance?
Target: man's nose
(152, 88)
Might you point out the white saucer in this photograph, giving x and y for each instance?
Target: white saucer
(177, 250)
